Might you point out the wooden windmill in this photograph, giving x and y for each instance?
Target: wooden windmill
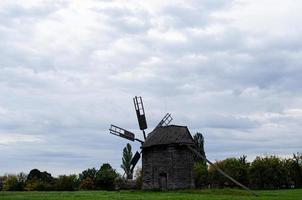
(168, 153)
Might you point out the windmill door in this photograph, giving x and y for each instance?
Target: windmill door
(163, 181)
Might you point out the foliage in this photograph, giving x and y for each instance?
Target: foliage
(87, 184)
(295, 170)
(236, 168)
(37, 185)
(39, 181)
(87, 179)
(88, 173)
(35, 174)
(200, 168)
(216, 179)
(14, 182)
(267, 172)
(126, 161)
(199, 143)
(105, 177)
(1, 182)
(67, 183)
(201, 174)
(120, 183)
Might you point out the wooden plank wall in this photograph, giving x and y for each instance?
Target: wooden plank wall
(173, 160)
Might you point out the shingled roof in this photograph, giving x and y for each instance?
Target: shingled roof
(171, 134)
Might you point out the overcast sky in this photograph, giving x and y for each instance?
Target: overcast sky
(231, 70)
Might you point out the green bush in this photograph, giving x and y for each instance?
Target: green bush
(87, 184)
(1, 182)
(14, 182)
(201, 174)
(88, 173)
(39, 181)
(105, 177)
(87, 179)
(268, 173)
(238, 168)
(67, 183)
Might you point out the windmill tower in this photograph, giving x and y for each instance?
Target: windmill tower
(168, 153)
(165, 164)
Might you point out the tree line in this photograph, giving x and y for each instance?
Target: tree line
(90, 179)
(264, 172)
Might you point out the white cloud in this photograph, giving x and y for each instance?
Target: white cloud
(8, 139)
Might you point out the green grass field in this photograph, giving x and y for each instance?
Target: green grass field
(223, 194)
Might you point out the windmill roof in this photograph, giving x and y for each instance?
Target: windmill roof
(171, 134)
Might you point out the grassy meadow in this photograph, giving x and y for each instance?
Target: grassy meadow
(217, 194)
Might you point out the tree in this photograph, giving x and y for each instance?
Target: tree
(87, 184)
(67, 183)
(268, 173)
(105, 177)
(199, 143)
(215, 178)
(237, 168)
(39, 181)
(201, 174)
(38, 175)
(243, 170)
(297, 168)
(200, 166)
(1, 182)
(126, 161)
(87, 178)
(14, 182)
(88, 173)
(293, 168)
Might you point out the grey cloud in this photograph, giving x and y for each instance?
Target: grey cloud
(67, 85)
(125, 20)
(12, 11)
(228, 122)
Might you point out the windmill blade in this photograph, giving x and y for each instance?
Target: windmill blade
(220, 170)
(140, 113)
(115, 130)
(165, 120)
(134, 160)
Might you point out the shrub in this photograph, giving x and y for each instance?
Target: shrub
(87, 184)
(87, 179)
(236, 168)
(105, 177)
(39, 181)
(201, 174)
(268, 173)
(88, 173)
(215, 178)
(1, 183)
(67, 183)
(14, 182)
(35, 174)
